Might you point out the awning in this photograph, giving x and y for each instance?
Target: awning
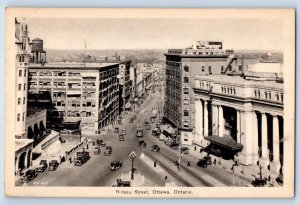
(226, 142)
(127, 105)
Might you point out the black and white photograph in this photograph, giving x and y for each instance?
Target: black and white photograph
(150, 102)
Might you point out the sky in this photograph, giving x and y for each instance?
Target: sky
(259, 34)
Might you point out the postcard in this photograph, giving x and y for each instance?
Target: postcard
(149, 103)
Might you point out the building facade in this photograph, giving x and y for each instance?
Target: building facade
(86, 93)
(234, 115)
(124, 85)
(203, 58)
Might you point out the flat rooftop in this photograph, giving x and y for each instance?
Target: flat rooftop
(238, 80)
(74, 65)
(20, 143)
(33, 110)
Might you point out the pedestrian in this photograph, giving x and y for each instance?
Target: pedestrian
(188, 163)
(154, 163)
(93, 143)
(215, 161)
(195, 148)
(70, 160)
(166, 177)
(87, 146)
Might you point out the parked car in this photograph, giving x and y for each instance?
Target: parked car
(147, 123)
(81, 158)
(259, 182)
(121, 183)
(29, 175)
(208, 159)
(115, 165)
(116, 130)
(184, 150)
(97, 151)
(121, 137)
(124, 131)
(174, 146)
(100, 143)
(53, 165)
(108, 151)
(142, 143)
(202, 163)
(42, 166)
(155, 148)
(131, 120)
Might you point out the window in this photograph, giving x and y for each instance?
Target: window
(88, 104)
(24, 73)
(240, 67)
(24, 86)
(203, 68)
(186, 113)
(186, 90)
(19, 101)
(186, 101)
(58, 103)
(209, 69)
(18, 117)
(186, 79)
(24, 100)
(222, 68)
(20, 73)
(23, 117)
(186, 68)
(269, 95)
(19, 87)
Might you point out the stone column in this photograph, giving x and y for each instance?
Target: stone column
(205, 118)
(238, 126)
(255, 137)
(276, 154)
(247, 137)
(25, 162)
(197, 123)
(221, 121)
(215, 119)
(264, 139)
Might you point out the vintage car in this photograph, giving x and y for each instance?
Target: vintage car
(279, 179)
(42, 166)
(97, 151)
(156, 132)
(184, 150)
(259, 182)
(131, 120)
(121, 183)
(53, 165)
(147, 123)
(100, 143)
(121, 137)
(142, 143)
(108, 151)
(116, 130)
(115, 165)
(174, 146)
(123, 131)
(202, 163)
(208, 159)
(155, 148)
(81, 158)
(29, 175)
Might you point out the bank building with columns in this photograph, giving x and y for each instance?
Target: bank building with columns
(241, 114)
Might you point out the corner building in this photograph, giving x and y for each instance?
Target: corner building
(237, 115)
(87, 94)
(202, 58)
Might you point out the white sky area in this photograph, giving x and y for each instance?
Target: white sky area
(258, 34)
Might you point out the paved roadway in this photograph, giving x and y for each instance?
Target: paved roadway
(96, 171)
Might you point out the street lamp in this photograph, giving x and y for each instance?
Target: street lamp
(132, 157)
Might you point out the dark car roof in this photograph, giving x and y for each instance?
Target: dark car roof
(115, 162)
(53, 161)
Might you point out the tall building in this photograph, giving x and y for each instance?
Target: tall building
(23, 145)
(202, 58)
(124, 85)
(242, 115)
(85, 94)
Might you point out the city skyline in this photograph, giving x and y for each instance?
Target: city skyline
(105, 34)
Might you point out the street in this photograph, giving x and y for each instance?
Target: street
(96, 172)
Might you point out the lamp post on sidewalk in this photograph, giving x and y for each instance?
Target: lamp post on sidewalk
(132, 157)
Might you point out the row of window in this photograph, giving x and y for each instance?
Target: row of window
(268, 95)
(228, 90)
(19, 101)
(20, 87)
(20, 73)
(19, 117)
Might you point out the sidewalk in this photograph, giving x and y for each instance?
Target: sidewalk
(241, 171)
